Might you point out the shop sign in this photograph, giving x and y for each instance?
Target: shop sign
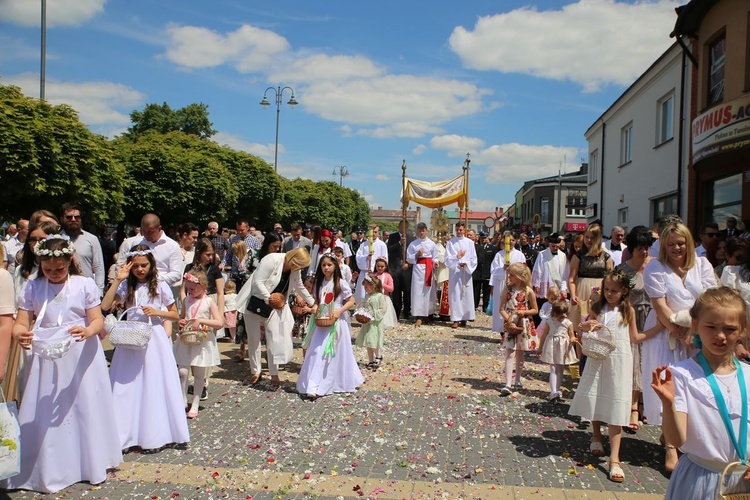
(721, 129)
(591, 211)
(574, 227)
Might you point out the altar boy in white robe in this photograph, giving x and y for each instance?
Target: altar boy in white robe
(422, 253)
(461, 260)
(551, 269)
(366, 260)
(498, 275)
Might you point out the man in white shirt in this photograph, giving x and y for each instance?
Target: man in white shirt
(15, 245)
(166, 251)
(366, 260)
(615, 245)
(12, 232)
(338, 240)
(709, 232)
(422, 254)
(88, 249)
(461, 261)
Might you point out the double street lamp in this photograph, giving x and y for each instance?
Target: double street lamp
(278, 92)
(342, 171)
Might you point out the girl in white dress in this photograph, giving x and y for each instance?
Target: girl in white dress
(145, 382)
(67, 416)
(604, 392)
(705, 401)
(329, 364)
(672, 281)
(556, 339)
(202, 313)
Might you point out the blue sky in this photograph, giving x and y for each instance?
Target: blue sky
(516, 84)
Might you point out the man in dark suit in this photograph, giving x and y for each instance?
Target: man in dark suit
(356, 240)
(485, 255)
(731, 230)
(400, 271)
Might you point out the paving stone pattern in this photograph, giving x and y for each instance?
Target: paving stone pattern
(430, 423)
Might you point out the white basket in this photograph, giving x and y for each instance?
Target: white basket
(597, 346)
(128, 334)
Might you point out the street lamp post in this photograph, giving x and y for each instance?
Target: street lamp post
(342, 171)
(278, 91)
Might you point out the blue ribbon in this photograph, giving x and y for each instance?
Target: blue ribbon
(741, 446)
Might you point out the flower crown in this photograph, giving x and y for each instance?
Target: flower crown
(330, 255)
(138, 253)
(41, 251)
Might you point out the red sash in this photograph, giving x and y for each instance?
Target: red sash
(427, 261)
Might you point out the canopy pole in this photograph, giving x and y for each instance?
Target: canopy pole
(404, 203)
(466, 184)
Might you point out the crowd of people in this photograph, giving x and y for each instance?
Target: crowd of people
(638, 318)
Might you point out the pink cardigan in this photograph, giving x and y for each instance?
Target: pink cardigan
(387, 281)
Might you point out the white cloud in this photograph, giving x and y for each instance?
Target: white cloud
(349, 89)
(590, 42)
(247, 49)
(483, 205)
(419, 149)
(382, 177)
(456, 145)
(236, 142)
(59, 12)
(516, 163)
(104, 106)
(21, 49)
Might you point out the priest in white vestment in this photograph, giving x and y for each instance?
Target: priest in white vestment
(366, 261)
(461, 261)
(422, 253)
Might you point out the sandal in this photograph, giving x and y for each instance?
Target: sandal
(254, 379)
(616, 473)
(596, 448)
(633, 426)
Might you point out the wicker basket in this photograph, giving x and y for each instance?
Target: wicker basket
(598, 346)
(128, 333)
(192, 336)
(720, 495)
(324, 321)
(362, 319)
(298, 310)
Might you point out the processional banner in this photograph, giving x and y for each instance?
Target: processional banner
(435, 194)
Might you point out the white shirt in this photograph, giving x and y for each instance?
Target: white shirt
(343, 246)
(706, 435)
(12, 247)
(167, 254)
(700, 251)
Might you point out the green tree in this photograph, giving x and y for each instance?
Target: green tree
(178, 176)
(324, 202)
(48, 157)
(192, 120)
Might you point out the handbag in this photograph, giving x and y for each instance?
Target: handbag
(259, 307)
(128, 334)
(10, 439)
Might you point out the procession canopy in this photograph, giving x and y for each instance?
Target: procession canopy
(436, 194)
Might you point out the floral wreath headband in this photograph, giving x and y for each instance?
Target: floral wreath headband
(138, 253)
(41, 251)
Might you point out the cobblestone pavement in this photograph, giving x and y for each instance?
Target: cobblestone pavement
(429, 423)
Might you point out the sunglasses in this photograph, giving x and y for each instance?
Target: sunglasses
(72, 217)
(712, 235)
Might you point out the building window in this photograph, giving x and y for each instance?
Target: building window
(545, 210)
(665, 120)
(716, 57)
(723, 199)
(593, 166)
(664, 205)
(626, 145)
(622, 218)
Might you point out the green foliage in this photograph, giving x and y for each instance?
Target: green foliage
(48, 157)
(324, 203)
(178, 176)
(192, 120)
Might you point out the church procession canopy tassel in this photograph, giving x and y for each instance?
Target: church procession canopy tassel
(436, 195)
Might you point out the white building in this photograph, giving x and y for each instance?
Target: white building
(638, 149)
